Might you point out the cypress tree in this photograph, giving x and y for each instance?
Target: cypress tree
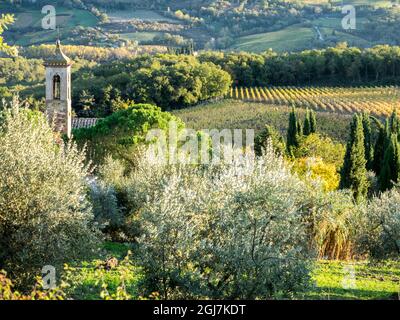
(383, 141)
(379, 151)
(354, 170)
(269, 134)
(299, 129)
(394, 123)
(388, 135)
(307, 123)
(388, 132)
(292, 135)
(313, 122)
(391, 164)
(369, 155)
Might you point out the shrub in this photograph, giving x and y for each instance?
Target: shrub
(105, 207)
(169, 81)
(173, 81)
(315, 169)
(231, 231)
(45, 216)
(262, 140)
(8, 292)
(379, 232)
(133, 187)
(318, 146)
(121, 133)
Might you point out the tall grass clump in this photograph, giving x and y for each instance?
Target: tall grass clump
(334, 221)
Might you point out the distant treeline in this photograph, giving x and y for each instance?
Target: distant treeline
(166, 80)
(338, 65)
(97, 54)
(176, 81)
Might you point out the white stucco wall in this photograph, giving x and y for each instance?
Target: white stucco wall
(59, 112)
(65, 75)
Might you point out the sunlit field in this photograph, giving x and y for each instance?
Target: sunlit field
(379, 101)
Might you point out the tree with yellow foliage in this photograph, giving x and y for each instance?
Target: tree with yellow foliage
(5, 20)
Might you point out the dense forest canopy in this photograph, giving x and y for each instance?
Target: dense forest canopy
(341, 64)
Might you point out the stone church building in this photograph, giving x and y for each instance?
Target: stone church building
(58, 94)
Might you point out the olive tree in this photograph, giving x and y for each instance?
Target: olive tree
(45, 217)
(224, 231)
(379, 231)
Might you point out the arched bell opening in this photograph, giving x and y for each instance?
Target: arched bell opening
(57, 87)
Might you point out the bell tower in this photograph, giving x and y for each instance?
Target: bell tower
(58, 91)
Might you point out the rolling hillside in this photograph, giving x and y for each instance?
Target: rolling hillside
(251, 25)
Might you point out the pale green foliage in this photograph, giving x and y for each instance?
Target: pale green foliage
(45, 217)
(133, 189)
(112, 172)
(379, 234)
(230, 231)
(131, 192)
(105, 207)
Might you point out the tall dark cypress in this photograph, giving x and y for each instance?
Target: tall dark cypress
(307, 123)
(369, 154)
(313, 122)
(292, 134)
(394, 123)
(390, 171)
(299, 129)
(388, 130)
(379, 151)
(354, 170)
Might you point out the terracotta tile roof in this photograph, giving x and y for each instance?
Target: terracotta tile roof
(78, 123)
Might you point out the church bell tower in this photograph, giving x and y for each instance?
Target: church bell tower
(58, 91)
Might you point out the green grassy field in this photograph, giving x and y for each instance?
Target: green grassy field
(140, 36)
(298, 37)
(288, 39)
(304, 36)
(90, 281)
(30, 22)
(331, 280)
(233, 114)
(334, 22)
(355, 280)
(146, 15)
(292, 38)
(376, 3)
